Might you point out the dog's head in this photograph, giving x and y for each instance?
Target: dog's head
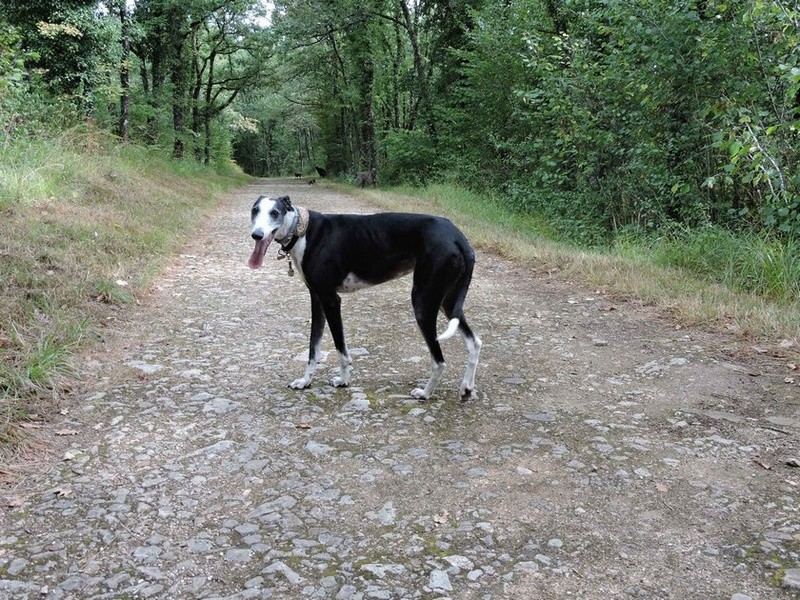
(268, 219)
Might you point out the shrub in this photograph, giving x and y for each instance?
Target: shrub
(410, 157)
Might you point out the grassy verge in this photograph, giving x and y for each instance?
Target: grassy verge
(84, 226)
(712, 279)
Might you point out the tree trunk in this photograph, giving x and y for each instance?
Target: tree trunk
(396, 73)
(266, 170)
(368, 149)
(207, 111)
(420, 101)
(196, 89)
(124, 75)
(178, 101)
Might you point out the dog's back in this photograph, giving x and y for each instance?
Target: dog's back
(382, 246)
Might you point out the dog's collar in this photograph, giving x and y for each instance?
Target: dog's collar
(300, 226)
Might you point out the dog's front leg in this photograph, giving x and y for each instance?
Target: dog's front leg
(333, 313)
(314, 345)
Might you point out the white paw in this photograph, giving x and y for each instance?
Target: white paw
(419, 394)
(339, 382)
(299, 384)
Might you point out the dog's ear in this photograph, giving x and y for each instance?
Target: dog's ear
(286, 203)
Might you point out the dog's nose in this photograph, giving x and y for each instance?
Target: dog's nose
(258, 234)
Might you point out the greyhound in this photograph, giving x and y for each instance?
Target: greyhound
(336, 253)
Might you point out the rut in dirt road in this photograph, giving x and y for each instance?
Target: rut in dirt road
(606, 455)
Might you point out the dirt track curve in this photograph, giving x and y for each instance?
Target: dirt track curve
(607, 455)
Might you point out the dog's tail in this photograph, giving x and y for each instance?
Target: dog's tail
(457, 294)
(452, 327)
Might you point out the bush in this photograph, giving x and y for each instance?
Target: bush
(410, 157)
(576, 217)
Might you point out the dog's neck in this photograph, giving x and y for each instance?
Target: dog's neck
(298, 223)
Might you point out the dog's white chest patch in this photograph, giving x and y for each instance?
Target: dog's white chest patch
(351, 283)
(297, 254)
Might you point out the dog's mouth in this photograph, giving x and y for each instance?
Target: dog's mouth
(257, 257)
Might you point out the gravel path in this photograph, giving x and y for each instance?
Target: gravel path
(607, 455)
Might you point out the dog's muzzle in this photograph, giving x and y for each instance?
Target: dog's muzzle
(262, 243)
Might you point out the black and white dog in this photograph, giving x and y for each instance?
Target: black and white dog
(345, 253)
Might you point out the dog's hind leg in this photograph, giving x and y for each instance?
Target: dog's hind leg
(426, 307)
(453, 307)
(474, 345)
(333, 313)
(437, 368)
(314, 345)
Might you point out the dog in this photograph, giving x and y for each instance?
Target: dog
(312, 181)
(366, 178)
(298, 175)
(322, 171)
(338, 253)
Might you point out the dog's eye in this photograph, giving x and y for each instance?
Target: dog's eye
(274, 214)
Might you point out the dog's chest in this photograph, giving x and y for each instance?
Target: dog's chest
(296, 256)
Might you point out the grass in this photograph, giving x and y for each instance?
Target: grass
(85, 225)
(767, 267)
(745, 285)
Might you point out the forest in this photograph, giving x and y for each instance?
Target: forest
(609, 119)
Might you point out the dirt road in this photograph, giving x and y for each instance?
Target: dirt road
(607, 455)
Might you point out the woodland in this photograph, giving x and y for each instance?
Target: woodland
(607, 119)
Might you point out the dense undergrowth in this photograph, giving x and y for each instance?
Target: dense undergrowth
(85, 225)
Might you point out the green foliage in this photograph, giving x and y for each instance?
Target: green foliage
(758, 133)
(274, 136)
(410, 157)
(631, 114)
(598, 116)
(70, 47)
(12, 62)
(25, 106)
(67, 61)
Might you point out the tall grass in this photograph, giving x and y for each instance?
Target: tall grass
(742, 261)
(84, 225)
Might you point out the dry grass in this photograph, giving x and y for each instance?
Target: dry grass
(78, 244)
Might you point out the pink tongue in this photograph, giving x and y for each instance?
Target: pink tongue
(257, 257)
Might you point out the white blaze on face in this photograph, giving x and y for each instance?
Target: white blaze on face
(266, 220)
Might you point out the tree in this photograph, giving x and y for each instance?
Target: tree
(66, 42)
(229, 55)
(124, 71)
